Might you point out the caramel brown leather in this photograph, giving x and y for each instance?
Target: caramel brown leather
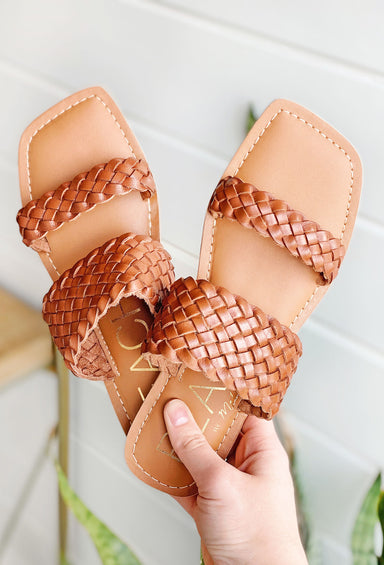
(86, 190)
(208, 329)
(270, 216)
(75, 135)
(301, 160)
(125, 266)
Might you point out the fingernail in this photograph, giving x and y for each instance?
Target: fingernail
(177, 412)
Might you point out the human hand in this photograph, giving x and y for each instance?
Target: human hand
(245, 508)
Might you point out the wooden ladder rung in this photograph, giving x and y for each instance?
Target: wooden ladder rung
(25, 341)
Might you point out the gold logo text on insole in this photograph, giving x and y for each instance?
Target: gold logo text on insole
(229, 405)
(204, 393)
(137, 345)
(139, 364)
(164, 446)
(147, 365)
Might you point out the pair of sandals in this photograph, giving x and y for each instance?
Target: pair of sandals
(275, 233)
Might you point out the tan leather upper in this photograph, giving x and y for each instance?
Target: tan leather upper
(124, 266)
(271, 216)
(82, 193)
(208, 329)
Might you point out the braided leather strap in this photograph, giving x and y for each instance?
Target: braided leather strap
(208, 329)
(100, 184)
(253, 208)
(128, 265)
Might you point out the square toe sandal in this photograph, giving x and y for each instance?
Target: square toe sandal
(90, 211)
(276, 230)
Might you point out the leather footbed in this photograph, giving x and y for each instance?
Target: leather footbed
(297, 157)
(76, 134)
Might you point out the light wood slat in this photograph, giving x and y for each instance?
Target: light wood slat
(25, 342)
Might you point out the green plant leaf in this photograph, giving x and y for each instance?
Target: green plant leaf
(380, 511)
(307, 536)
(63, 560)
(302, 515)
(251, 118)
(362, 540)
(111, 549)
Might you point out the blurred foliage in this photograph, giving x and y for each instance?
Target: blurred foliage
(63, 560)
(380, 511)
(363, 534)
(111, 549)
(307, 534)
(251, 118)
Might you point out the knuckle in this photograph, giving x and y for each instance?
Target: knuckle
(221, 485)
(193, 442)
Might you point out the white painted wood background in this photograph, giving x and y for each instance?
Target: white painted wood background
(184, 73)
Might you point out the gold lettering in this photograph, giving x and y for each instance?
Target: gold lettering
(205, 425)
(149, 367)
(141, 393)
(171, 453)
(225, 409)
(210, 389)
(228, 406)
(131, 347)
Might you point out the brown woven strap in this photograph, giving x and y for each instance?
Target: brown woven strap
(128, 265)
(100, 184)
(253, 208)
(208, 329)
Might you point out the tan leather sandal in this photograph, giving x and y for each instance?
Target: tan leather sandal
(275, 233)
(96, 235)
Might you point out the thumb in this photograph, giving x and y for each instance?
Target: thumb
(191, 445)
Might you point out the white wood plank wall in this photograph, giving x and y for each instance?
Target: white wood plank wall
(184, 73)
